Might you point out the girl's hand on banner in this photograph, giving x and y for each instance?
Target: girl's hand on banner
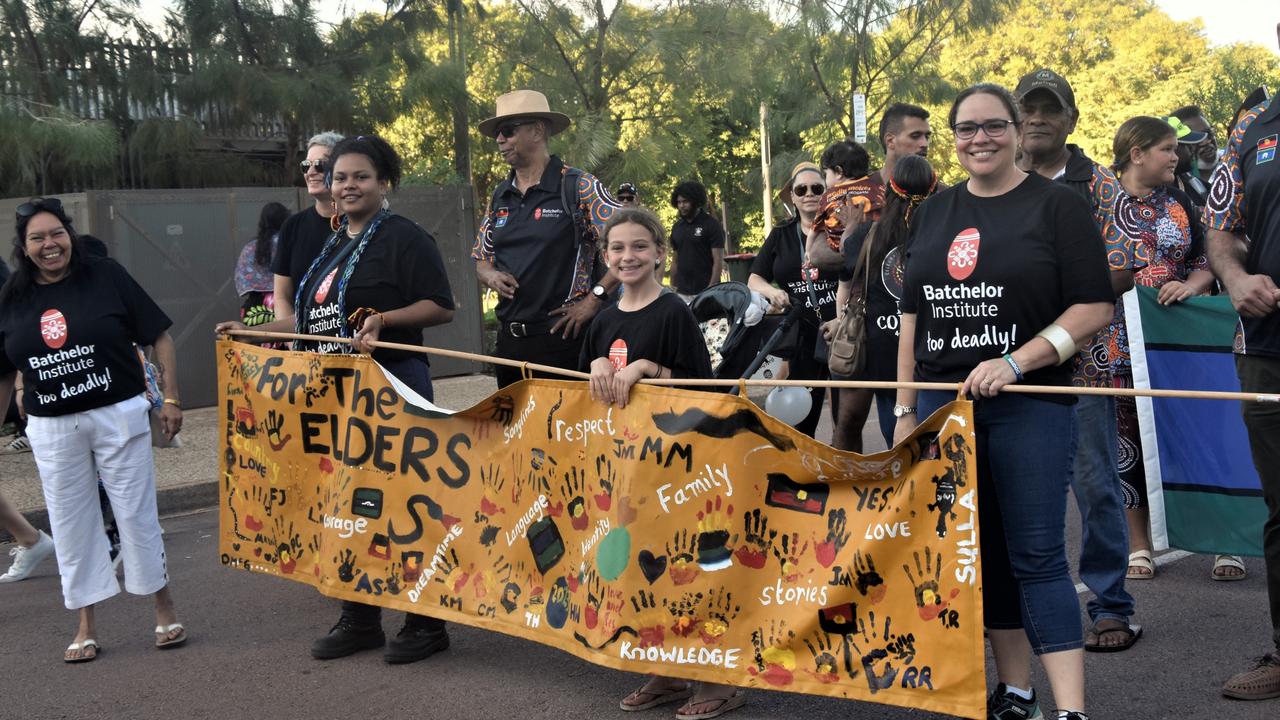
(602, 373)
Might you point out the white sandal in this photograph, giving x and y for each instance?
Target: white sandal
(80, 647)
(1227, 561)
(1140, 559)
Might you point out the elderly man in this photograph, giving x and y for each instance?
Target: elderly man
(537, 245)
(1049, 116)
(1244, 202)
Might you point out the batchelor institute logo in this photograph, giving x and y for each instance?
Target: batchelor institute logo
(618, 354)
(962, 258)
(53, 328)
(322, 292)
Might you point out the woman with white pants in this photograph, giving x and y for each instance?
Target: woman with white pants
(69, 324)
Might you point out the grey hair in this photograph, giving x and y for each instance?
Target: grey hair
(328, 139)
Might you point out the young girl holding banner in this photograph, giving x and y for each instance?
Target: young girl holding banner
(649, 333)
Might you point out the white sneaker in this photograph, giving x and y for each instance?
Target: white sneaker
(25, 559)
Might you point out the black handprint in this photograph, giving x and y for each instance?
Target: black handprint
(574, 486)
(713, 535)
(758, 540)
(273, 426)
(681, 566)
(837, 538)
(503, 409)
(684, 613)
(607, 479)
(393, 579)
(824, 659)
(877, 679)
(347, 570)
(866, 579)
(929, 599)
(788, 555)
(649, 619)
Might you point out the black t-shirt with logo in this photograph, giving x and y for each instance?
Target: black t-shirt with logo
(664, 332)
(779, 261)
(985, 274)
(301, 237)
(400, 266)
(693, 240)
(884, 290)
(73, 340)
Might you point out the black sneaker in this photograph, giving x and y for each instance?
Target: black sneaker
(1004, 705)
(347, 638)
(1073, 715)
(412, 644)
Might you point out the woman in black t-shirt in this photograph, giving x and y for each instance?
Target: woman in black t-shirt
(1006, 274)
(304, 232)
(783, 260)
(880, 276)
(70, 324)
(378, 277)
(649, 333)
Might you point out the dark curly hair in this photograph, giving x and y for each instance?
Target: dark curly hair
(384, 158)
(847, 158)
(24, 274)
(691, 190)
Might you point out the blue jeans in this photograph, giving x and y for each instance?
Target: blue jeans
(1022, 514)
(1104, 539)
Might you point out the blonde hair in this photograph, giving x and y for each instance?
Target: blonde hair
(637, 216)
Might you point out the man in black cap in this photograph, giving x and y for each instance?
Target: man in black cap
(1197, 152)
(627, 195)
(537, 246)
(1049, 116)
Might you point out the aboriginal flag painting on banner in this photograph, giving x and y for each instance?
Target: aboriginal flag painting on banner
(1202, 488)
(688, 535)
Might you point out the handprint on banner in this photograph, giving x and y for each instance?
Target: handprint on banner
(837, 538)
(878, 677)
(757, 542)
(449, 572)
(273, 426)
(929, 600)
(775, 661)
(530, 581)
(713, 536)
(491, 480)
(347, 565)
(595, 598)
(574, 488)
(681, 566)
(606, 480)
(684, 613)
(788, 554)
(721, 611)
(649, 619)
(866, 579)
(393, 579)
(824, 659)
(503, 409)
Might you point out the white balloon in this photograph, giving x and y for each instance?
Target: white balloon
(791, 405)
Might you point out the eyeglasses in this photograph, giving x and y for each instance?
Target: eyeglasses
(27, 209)
(506, 130)
(802, 190)
(626, 198)
(993, 128)
(319, 165)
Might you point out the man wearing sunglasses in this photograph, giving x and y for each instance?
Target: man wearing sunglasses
(1049, 115)
(537, 246)
(697, 241)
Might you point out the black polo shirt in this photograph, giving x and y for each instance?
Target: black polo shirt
(532, 236)
(1244, 198)
(693, 240)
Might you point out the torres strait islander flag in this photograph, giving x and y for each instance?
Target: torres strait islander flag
(1203, 490)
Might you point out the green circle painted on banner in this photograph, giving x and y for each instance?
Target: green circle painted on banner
(613, 554)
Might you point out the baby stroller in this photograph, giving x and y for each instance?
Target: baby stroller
(739, 350)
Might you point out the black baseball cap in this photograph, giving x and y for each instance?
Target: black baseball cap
(1045, 79)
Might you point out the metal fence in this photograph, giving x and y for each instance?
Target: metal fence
(182, 245)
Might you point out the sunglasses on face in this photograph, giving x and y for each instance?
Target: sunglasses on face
(506, 130)
(626, 198)
(319, 166)
(27, 209)
(814, 189)
(993, 128)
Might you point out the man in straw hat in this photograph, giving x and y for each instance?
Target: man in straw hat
(537, 245)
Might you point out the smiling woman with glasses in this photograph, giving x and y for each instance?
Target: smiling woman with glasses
(1006, 274)
(73, 325)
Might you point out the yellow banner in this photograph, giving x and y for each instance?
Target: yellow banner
(688, 535)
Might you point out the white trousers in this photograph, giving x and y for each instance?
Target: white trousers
(71, 452)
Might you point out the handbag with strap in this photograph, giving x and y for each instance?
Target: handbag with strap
(848, 345)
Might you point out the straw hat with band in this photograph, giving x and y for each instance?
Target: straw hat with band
(524, 105)
(785, 193)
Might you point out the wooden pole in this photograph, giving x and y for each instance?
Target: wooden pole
(766, 161)
(865, 384)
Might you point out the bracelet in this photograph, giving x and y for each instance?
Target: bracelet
(171, 401)
(1061, 341)
(1017, 371)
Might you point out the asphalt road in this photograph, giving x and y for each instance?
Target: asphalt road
(247, 657)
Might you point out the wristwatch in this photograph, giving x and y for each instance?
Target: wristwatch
(903, 410)
(599, 292)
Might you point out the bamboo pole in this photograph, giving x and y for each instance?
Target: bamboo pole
(863, 384)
